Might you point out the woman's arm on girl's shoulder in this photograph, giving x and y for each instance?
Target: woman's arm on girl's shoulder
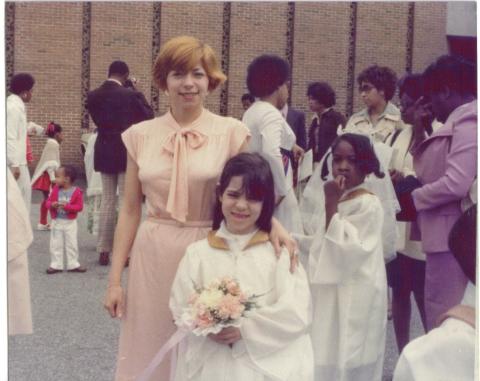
(279, 237)
(128, 222)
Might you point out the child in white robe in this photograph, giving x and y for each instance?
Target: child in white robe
(346, 270)
(272, 342)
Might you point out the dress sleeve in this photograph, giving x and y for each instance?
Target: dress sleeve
(131, 138)
(239, 135)
(349, 241)
(271, 328)
(272, 128)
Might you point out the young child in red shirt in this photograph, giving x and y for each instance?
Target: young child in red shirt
(64, 202)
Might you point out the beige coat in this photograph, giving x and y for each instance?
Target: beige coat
(19, 238)
(389, 121)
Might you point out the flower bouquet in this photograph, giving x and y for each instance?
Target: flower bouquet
(218, 305)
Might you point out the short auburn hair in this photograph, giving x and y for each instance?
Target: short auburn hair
(183, 53)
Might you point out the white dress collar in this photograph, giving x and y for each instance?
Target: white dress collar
(234, 241)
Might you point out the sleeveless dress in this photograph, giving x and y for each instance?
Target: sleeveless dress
(179, 168)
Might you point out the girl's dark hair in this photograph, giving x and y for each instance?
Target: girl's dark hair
(412, 85)
(322, 92)
(265, 74)
(52, 129)
(365, 157)
(70, 172)
(257, 185)
(382, 77)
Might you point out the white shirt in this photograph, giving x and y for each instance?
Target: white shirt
(16, 132)
(270, 132)
(445, 353)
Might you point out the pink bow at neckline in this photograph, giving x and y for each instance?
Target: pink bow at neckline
(176, 143)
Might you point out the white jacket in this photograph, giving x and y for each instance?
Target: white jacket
(16, 131)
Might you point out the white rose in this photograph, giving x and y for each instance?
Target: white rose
(210, 298)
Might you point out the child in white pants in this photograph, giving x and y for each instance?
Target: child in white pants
(64, 202)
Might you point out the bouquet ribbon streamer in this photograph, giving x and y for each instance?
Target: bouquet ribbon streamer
(176, 338)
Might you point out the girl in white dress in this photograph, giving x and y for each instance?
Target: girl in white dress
(272, 341)
(346, 270)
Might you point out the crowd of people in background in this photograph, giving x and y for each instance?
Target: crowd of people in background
(389, 202)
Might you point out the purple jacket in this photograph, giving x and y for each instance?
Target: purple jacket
(446, 163)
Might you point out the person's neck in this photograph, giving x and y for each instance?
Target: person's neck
(117, 78)
(377, 109)
(186, 117)
(272, 99)
(460, 101)
(320, 111)
(66, 186)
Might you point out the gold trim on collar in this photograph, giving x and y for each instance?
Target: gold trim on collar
(219, 243)
(356, 193)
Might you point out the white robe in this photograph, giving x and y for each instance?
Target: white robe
(349, 290)
(275, 344)
(17, 129)
(445, 353)
(94, 178)
(270, 132)
(19, 238)
(312, 207)
(49, 161)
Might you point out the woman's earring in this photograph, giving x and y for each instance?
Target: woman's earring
(166, 93)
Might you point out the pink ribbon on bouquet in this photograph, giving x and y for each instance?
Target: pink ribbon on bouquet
(176, 338)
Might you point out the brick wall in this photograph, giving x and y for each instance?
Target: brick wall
(320, 51)
(48, 43)
(429, 33)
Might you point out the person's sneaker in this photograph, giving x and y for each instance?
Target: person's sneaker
(51, 270)
(104, 259)
(43, 227)
(79, 269)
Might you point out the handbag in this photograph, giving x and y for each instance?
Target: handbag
(403, 190)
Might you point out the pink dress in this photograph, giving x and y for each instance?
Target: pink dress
(178, 170)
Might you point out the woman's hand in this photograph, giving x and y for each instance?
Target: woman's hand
(298, 153)
(279, 237)
(395, 175)
(422, 121)
(114, 301)
(227, 336)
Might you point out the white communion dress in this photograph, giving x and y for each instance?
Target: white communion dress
(349, 290)
(275, 343)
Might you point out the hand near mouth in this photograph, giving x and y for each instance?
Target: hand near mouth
(334, 188)
(333, 191)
